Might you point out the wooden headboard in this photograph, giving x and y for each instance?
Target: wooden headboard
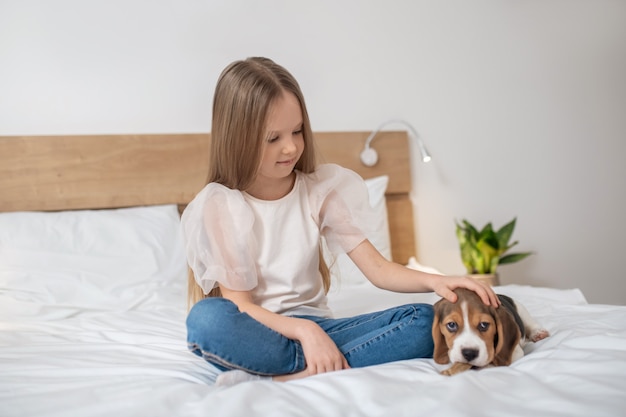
(49, 173)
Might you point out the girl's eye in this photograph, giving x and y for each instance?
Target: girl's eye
(452, 326)
(274, 139)
(483, 326)
(298, 132)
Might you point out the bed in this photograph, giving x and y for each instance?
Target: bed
(93, 299)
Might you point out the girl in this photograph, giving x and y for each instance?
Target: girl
(253, 237)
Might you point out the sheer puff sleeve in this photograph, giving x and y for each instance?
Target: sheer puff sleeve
(340, 197)
(217, 227)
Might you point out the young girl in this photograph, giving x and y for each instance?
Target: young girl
(253, 238)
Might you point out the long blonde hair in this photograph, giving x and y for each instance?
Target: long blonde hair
(244, 93)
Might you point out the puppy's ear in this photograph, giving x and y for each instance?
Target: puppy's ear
(508, 335)
(440, 353)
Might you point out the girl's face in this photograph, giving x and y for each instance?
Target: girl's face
(285, 142)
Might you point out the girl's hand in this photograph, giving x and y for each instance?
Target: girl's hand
(445, 285)
(320, 351)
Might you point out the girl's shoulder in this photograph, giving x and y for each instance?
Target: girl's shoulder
(325, 169)
(218, 200)
(334, 181)
(331, 176)
(214, 190)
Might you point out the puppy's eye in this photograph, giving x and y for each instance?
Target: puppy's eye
(452, 326)
(483, 326)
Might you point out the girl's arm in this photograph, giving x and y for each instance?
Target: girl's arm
(320, 351)
(395, 277)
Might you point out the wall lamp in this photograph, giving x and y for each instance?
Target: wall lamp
(369, 156)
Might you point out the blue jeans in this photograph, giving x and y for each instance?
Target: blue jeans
(218, 332)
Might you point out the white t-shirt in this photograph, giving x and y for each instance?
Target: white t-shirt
(271, 248)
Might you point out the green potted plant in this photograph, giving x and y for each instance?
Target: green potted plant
(482, 251)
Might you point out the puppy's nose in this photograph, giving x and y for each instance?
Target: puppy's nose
(469, 354)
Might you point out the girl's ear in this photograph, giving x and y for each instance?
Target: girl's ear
(508, 336)
(440, 353)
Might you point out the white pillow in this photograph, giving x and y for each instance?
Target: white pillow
(61, 263)
(344, 271)
(413, 264)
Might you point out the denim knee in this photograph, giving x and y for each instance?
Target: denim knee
(210, 311)
(208, 318)
(427, 314)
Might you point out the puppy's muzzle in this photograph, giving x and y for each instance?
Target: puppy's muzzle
(469, 354)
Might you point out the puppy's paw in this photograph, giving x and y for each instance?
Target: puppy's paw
(538, 334)
(456, 368)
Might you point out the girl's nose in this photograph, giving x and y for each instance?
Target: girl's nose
(289, 146)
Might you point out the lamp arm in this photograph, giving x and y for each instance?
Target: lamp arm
(420, 144)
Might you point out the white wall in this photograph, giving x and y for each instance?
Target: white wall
(521, 103)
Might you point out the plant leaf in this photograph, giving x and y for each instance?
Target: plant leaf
(487, 229)
(487, 254)
(494, 265)
(505, 233)
(470, 230)
(510, 246)
(478, 262)
(514, 257)
(489, 235)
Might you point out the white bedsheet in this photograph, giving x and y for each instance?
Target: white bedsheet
(133, 361)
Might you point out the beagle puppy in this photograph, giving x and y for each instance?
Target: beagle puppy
(470, 334)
